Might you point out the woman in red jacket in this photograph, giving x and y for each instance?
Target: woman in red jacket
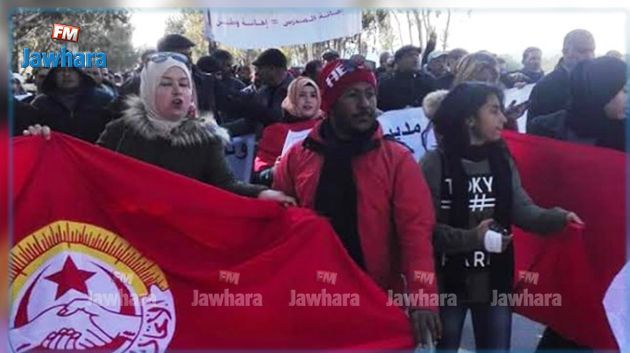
(302, 111)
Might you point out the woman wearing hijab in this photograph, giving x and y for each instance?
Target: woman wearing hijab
(160, 127)
(301, 109)
(596, 111)
(477, 195)
(595, 116)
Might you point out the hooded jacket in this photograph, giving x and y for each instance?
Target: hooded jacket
(86, 120)
(395, 214)
(195, 148)
(593, 84)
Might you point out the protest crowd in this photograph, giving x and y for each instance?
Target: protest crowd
(322, 143)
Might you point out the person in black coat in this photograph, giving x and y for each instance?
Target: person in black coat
(595, 115)
(162, 127)
(71, 103)
(531, 72)
(226, 64)
(596, 111)
(551, 94)
(226, 85)
(24, 115)
(262, 107)
(407, 85)
(312, 69)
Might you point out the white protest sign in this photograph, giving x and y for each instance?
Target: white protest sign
(522, 123)
(617, 306)
(518, 95)
(265, 29)
(294, 137)
(240, 156)
(407, 125)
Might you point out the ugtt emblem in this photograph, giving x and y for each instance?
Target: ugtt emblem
(65, 294)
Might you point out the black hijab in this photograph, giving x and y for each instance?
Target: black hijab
(593, 84)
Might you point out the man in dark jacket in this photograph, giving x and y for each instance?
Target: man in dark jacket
(264, 106)
(407, 85)
(226, 63)
(99, 78)
(531, 72)
(385, 61)
(271, 66)
(532, 69)
(552, 92)
(227, 85)
(437, 67)
(329, 56)
(71, 103)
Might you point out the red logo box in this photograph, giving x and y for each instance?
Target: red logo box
(65, 32)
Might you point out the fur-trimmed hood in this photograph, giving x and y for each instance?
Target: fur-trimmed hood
(189, 132)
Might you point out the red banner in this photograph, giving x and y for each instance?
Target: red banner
(113, 253)
(577, 266)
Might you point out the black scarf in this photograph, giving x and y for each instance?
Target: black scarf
(336, 195)
(501, 270)
(496, 153)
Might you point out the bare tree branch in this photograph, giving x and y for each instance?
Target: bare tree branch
(416, 15)
(410, 24)
(397, 24)
(445, 34)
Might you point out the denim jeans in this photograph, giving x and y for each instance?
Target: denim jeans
(492, 326)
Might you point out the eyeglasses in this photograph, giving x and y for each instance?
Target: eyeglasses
(163, 56)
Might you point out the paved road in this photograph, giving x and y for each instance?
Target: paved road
(525, 335)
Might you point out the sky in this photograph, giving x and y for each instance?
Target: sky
(149, 26)
(511, 32)
(501, 32)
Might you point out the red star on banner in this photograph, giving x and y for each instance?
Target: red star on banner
(70, 277)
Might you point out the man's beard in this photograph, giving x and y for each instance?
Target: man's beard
(344, 125)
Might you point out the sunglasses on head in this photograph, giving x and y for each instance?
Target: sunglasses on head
(163, 56)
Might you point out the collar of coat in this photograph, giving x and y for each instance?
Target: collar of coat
(189, 133)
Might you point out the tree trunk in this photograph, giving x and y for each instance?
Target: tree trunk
(397, 25)
(309, 52)
(341, 46)
(446, 30)
(410, 25)
(426, 19)
(212, 46)
(419, 27)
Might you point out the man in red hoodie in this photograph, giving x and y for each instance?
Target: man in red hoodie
(369, 187)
